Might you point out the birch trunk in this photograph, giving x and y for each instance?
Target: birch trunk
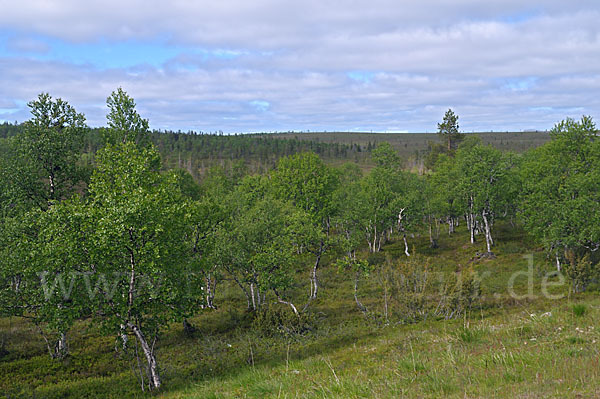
(252, 295)
(52, 186)
(381, 239)
(375, 238)
(61, 350)
(154, 378)
(123, 335)
(210, 294)
(314, 277)
(471, 220)
(358, 303)
(472, 229)
(431, 239)
(488, 233)
(289, 303)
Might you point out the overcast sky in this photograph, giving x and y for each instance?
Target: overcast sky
(265, 65)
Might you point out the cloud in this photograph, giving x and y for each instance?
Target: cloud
(272, 65)
(27, 45)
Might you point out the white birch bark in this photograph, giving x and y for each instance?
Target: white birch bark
(488, 233)
(150, 357)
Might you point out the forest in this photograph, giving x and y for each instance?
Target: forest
(119, 242)
(198, 152)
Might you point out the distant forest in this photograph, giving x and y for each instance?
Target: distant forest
(258, 153)
(196, 152)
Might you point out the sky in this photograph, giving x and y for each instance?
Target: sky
(321, 65)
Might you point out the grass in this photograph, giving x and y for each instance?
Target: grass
(431, 360)
(505, 348)
(579, 310)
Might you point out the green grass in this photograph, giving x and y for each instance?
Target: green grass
(505, 348)
(579, 310)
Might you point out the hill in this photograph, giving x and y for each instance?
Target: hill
(197, 152)
(409, 144)
(508, 346)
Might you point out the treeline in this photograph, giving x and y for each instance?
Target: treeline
(198, 152)
(135, 247)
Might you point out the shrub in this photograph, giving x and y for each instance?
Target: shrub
(415, 292)
(271, 321)
(407, 288)
(581, 271)
(460, 294)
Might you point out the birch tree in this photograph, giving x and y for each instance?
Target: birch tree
(49, 150)
(561, 193)
(485, 178)
(350, 223)
(442, 198)
(141, 226)
(390, 198)
(306, 182)
(124, 122)
(257, 246)
(41, 170)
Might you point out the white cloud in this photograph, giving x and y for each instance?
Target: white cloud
(273, 65)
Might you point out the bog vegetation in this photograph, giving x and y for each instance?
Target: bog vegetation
(101, 237)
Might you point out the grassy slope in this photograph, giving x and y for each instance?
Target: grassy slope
(508, 349)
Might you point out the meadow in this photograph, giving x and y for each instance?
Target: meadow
(504, 347)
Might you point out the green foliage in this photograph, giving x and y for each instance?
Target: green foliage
(137, 248)
(187, 185)
(140, 221)
(256, 242)
(385, 156)
(433, 152)
(124, 122)
(442, 196)
(580, 271)
(45, 167)
(308, 183)
(388, 198)
(39, 170)
(485, 176)
(561, 188)
(411, 288)
(57, 262)
(480, 182)
(358, 266)
(448, 130)
(348, 219)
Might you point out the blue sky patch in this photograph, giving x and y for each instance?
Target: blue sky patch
(361, 76)
(519, 84)
(102, 53)
(260, 105)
